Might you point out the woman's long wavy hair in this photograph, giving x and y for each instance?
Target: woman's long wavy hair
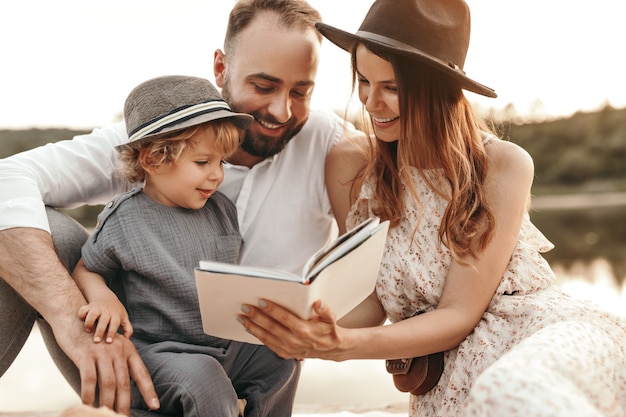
(442, 138)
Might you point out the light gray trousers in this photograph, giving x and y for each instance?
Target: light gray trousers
(267, 382)
(17, 317)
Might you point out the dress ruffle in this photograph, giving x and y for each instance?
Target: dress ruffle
(526, 306)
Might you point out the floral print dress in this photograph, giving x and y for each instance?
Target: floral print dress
(535, 352)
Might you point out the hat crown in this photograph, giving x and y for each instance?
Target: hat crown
(439, 28)
(158, 97)
(436, 32)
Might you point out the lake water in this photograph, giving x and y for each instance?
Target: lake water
(584, 228)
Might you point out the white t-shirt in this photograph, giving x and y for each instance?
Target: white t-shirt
(283, 208)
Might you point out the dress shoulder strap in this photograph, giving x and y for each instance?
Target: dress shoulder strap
(487, 137)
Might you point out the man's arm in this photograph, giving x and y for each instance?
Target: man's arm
(27, 252)
(65, 174)
(69, 173)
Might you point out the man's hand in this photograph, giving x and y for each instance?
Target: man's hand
(29, 263)
(109, 366)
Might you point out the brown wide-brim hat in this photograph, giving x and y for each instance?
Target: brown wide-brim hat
(436, 32)
(174, 102)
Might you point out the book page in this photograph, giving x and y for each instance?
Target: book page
(320, 260)
(251, 271)
(339, 247)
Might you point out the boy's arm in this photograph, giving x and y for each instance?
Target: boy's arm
(91, 284)
(104, 313)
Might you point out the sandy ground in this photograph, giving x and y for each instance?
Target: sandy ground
(354, 388)
(363, 388)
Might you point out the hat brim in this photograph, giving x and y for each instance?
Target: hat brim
(347, 41)
(241, 120)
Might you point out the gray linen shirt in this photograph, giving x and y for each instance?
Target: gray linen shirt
(147, 252)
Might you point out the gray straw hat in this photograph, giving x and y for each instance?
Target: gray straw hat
(173, 102)
(436, 32)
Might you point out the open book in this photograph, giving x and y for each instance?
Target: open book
(342, 274)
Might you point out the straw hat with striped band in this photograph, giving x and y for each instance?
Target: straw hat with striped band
(173, 102)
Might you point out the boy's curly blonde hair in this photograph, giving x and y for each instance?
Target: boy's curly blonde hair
(167, 148)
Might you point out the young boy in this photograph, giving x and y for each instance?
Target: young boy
(148, 241)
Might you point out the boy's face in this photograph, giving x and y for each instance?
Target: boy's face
(192, 179)
(270, 75)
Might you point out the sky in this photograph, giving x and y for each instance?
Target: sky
(71, 63)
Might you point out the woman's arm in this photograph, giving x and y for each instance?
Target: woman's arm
(470, 288)
(343, 170)
(368, 313)
(467, 293)
(343, 176)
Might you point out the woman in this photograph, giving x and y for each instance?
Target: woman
(461, 246)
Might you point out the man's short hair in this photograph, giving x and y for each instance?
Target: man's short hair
(292, 14)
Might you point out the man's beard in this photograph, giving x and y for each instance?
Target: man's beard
(265, 146)
(259, 145)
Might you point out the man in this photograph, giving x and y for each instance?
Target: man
(276, 179)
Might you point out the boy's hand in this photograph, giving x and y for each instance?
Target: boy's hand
(104, 318)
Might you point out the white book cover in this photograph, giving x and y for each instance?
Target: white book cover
(342, 274)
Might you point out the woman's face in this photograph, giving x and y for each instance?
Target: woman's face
(379, 93)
